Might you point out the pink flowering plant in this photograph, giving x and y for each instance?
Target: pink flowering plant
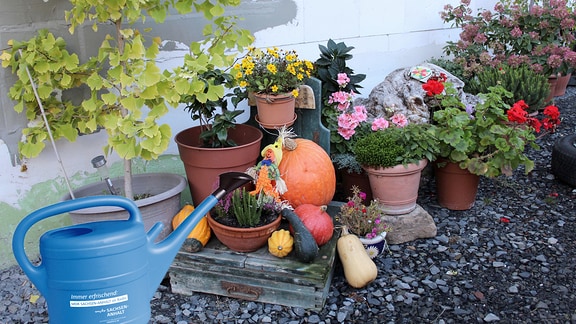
(364, 221)
(539, 34)
(339, 86)
(384, 141)
(354, 124)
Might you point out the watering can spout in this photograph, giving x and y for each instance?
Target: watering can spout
(163, 253)
(230, 181)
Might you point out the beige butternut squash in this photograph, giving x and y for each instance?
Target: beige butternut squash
(359, 269)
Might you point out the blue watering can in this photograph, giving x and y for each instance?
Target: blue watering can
(106, 272)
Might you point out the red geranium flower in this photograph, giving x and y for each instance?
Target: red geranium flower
(433, 87)
(552, 112)
(518, 113)
(536, 124)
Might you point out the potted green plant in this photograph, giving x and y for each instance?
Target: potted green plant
(521, 81)
(127, 92)
(366, 221)
(273, 76)
(244, 220)
(393, 153)
(488, 139)
(537, 33)
(218, 143)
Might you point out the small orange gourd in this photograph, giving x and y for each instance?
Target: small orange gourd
(308, 173)
(199, 236)
(280, 243)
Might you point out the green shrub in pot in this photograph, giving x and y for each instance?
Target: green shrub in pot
(396, 145)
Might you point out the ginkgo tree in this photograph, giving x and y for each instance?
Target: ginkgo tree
(126, 92)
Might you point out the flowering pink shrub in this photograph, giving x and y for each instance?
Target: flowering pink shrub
(541, 36)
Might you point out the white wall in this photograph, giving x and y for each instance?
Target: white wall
(386, 35)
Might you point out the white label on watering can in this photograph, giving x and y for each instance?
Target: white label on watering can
(92, 301)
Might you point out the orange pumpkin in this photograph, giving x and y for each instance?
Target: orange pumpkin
(308, 172)
(317, 221)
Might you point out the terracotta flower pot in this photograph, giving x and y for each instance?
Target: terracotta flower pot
(243, 239)
(275, 111)
(456, 188)
(558, 85)
(396, 187)
(561, 85)
(203, 165)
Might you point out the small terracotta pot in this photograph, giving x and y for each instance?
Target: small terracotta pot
(456, 188)
(275, 111)
(396, 187)
(243, 239)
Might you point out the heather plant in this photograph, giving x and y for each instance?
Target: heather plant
(539, 34)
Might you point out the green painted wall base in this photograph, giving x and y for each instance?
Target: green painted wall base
(50, 192)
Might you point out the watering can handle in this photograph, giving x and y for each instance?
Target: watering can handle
(35, 272)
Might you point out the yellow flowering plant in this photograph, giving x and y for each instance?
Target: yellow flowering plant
(272, 71)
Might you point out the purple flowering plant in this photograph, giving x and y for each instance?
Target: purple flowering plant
(539, 34)
(364, 221)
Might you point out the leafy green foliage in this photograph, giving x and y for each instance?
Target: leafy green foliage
(485, 143)
(397, 145)
(522, 82)
(332, 61)
(128, 92)
(204, 107)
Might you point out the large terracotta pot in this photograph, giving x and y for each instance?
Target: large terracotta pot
(203, 165)
(275, 111)
(243, 239)
(396, 187)
(456, 188)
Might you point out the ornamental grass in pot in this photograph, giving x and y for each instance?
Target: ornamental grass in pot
(394, 154)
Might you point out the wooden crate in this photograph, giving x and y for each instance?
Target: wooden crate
(257, 276)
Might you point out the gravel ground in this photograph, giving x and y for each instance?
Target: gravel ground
(477, 269)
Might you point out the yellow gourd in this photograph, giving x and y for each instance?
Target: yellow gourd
(199, 236)
(359, 269)
(280, 243)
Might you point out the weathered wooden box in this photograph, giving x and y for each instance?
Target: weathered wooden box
(257, 276)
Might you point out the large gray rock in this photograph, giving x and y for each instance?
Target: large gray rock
(415, 225)
(401, 93)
